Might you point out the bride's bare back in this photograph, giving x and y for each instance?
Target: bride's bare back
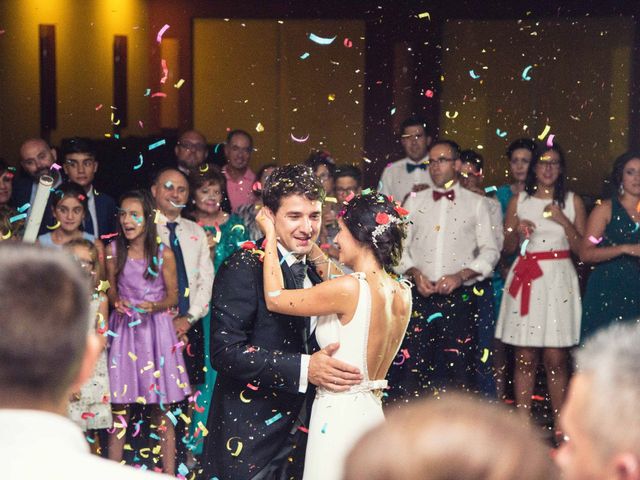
(390, 313)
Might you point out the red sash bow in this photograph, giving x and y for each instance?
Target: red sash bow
(526, 271)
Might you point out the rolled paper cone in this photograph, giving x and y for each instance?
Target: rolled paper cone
(37, 209)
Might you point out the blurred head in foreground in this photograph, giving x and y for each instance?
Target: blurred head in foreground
(456, 437)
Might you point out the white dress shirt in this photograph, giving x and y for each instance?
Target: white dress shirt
(397, 182)
(36, 445)
(313, 320)
(91, 202)
(445, 236)
(198, 263)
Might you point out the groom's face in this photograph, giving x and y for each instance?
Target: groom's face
(298, 222)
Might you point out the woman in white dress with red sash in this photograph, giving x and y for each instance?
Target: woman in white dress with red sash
(541, 310)
(367, 313)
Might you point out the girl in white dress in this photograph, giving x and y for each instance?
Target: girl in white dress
(540, 311)
(90, 408)
(367, 313)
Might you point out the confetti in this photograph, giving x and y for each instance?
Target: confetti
(321, 40)
(204, 430)
(161, 32)
(238, 447)
(157, 144)
(595, 240)
(134, 323)
(525, 73)
(49, 227)
(299, 139)
(501, 133)
(451, 115)
(490, 189)
(428, 94)
(259, 128)
(485, 355)
(139, 165)
(347, 43)
(20, 216)
(179, 83)
(637, 227)
(544, 132)
(523, 248)
(473, 75)
(449, 184)
(24, 207)
(331, 97)
(550, 140)
(165, 70)
(158, 94)
(273, 419)
(304, 56)
(244, 399)
(98, 107)
(433, 316)
(478, 291)
(424, 15)
(324, 428)
(252, 387)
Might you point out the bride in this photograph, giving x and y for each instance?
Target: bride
(367, 313)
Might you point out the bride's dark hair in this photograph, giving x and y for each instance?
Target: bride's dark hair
(377, 222)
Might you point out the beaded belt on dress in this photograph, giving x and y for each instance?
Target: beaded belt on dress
(375, 386)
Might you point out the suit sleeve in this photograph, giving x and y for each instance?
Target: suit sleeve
(236, 293)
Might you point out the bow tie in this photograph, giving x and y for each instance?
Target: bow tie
(449, 195)
(413, 166)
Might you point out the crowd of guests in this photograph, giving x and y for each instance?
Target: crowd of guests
(496, 296)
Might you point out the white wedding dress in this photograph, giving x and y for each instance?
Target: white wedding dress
(339, 419)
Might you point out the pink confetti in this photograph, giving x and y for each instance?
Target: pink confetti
(98, 107)
(428, 94)
(165, 71)
(299, 139)
(161, 32)
(348, 43)
(595, 240)
(158, 94)
(140, 123)
(55, 166)
(550, 140)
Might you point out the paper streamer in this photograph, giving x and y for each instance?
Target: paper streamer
(37, 209)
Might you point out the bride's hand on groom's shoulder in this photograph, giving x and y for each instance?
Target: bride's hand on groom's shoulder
(266, 221)
(327, 372)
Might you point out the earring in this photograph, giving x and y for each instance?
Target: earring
(621, 190)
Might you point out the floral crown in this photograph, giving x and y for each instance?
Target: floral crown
(384, 220)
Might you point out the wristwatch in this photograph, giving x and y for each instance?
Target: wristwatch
(191, 319)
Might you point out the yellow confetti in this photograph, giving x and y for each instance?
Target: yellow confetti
(104, 286)
(478, 292)
(331, 97)
(546, 214)
(238, 448)
(127, 446)
(157, 374)
(7, 236)
(546, 130)
(244, 399)
(156, 219)
(485, 355)
(424, 15)
(204, 168)
(448, 184)
(185, 419)
(204, 430)
(57, 225)
(156, 449)
(179, 83)
(259, 128)
(141, 400)
(331, 199)
(133, 356)
(144, 452)
(451, 115)
(186, 292)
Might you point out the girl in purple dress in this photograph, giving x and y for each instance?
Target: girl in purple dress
(146, 365)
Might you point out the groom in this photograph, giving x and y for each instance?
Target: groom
(268, 363)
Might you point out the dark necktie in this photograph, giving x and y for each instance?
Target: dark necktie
(183, 280)
(299, 271)
(449, 195)
(413, 166)
(88, 223)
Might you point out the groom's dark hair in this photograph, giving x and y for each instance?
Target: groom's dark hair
(290, 180)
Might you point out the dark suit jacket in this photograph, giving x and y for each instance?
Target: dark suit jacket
(257, 354)
(106, 210)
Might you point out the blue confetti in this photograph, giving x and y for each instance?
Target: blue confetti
(321, 40)
(273, 419)
(433, 316)
(159, 143)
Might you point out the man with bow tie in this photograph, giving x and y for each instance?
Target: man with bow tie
(450, 246)
(409, 174)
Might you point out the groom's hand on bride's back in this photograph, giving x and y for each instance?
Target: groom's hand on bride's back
(330, 373)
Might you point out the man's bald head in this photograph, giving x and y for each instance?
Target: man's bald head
(37, 157)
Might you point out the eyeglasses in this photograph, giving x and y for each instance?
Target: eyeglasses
(441, 160)
(193, 147)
